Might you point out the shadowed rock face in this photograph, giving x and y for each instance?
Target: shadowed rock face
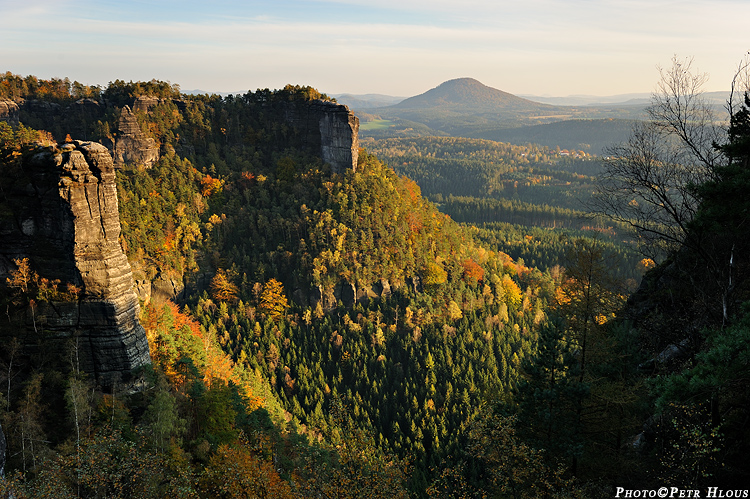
(65, 220)
(339, 138)
(2, 452)
(330, 128)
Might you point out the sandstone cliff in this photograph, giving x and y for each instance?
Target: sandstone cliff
(324, 128)
(330, 128)
(61, 212)
(130, 144)
(9, 111)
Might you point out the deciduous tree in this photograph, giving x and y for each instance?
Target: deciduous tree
(648, 182)
(273, 302)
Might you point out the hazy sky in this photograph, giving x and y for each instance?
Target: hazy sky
(395, 47)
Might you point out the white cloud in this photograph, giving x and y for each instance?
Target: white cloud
(588, 46)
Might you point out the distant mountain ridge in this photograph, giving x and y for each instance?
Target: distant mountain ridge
(592, 100)
(717, 98)
(367, 101)
(465, 107)
(468, 94)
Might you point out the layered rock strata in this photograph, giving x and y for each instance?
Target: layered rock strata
(63, 217)
(131, 145)
(9, 111)
(330, 128)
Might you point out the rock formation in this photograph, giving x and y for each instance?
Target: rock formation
(144, 103)
(131, 145)
(62, 214)
(9, 112)
(330, 128)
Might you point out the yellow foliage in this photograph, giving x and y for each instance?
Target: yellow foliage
(454, 311)
(512, 292)
(645, 265)
(223, 289)
(273, 302)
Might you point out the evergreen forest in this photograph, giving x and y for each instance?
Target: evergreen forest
(453, 318)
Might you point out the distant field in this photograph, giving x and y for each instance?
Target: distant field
(376, 125)
(551, 117)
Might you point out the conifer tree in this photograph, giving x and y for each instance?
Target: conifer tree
(550, 395)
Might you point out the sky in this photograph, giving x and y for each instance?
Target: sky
(392, 47)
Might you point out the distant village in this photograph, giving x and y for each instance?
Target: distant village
(573, 153)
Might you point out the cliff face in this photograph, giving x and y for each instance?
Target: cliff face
(331, 128)
(9, 111)
(324, 128)
(131, 145)
(62, 214)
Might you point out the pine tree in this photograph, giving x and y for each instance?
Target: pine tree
(550, 395)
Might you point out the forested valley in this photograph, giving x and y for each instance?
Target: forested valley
(450, 319)
(526, 201)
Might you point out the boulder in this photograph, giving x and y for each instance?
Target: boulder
(167, 289)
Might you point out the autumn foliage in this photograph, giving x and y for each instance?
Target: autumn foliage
(237, 472)
(472, 271)
(27, 284)
(273, 302)
(210, 185)
(174, 336)
(222, 287)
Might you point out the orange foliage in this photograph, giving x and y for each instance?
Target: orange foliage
(472, 271)
(169, 242)
(510, 266)
(222, 288)
(415, 193)
(210, 185)
(415, 223)
(237, 472)
(170, 333)
(645, 265)
(247, 179)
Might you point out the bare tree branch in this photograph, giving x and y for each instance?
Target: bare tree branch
(648, 182)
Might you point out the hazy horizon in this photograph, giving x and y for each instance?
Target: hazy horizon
(541, 47)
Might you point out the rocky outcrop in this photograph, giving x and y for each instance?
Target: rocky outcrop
(62, 214)
(9, 112)
(324, 128)
(159, 289)
(349, 294)
(41, 107)
(130, 143)
(167, 289)
(675, 301)
(330, 128)
(339, 138)
(144, 103)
